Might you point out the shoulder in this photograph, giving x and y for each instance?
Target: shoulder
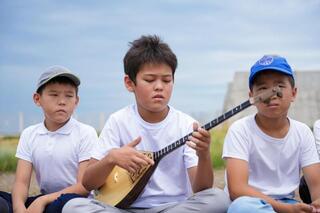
(300, 131)
(82, 126)
(179, 115)
(299, 126)
(32, 129)
(81, 130)
(30, 133)
(316, 124)
(245, 123)
(123, 113)
(123, 117)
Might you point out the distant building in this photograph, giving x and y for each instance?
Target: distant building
(306, 107)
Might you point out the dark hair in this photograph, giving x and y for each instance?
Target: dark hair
(148, 50)
(59, 80)
(291, 79)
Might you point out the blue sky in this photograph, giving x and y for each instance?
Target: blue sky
(212, 40)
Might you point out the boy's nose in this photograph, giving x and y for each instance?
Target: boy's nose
(62, 101)
(158, 85)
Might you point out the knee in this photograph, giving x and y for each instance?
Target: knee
(73, 205)
(216, 199)
(247, 204)
(58, 204)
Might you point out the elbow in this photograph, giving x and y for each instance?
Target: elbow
(87, 185)
(234, 193)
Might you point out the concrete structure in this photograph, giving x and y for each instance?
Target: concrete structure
(306, 107)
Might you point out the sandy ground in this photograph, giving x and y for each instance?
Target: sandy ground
(7, 179)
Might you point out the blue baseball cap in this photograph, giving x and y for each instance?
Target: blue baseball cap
(270, 62)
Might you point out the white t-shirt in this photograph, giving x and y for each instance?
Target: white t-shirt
(55, 156)
(316, 132)
(170, 181)
(274, 164)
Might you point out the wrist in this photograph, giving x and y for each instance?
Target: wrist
(110, 157)
(283, 207)
(19, 208)
(204, 156)
(45, 199)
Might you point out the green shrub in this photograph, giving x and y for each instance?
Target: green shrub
(217, 137)
(8, 162)
(8, 146)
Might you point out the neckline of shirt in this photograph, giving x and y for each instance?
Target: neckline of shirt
(268, 137)
(151, 125)
(64, 130)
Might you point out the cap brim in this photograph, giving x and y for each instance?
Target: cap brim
(71, 76)
(276, 69)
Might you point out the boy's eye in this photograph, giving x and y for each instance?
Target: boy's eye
(167, 80)
(149, 80)
(262, 88)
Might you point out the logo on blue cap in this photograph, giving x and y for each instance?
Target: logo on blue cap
(270, 62)
(266, 60)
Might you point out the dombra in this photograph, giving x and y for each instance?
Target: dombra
(122, 188)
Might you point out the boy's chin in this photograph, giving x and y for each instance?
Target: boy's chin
(62, 120)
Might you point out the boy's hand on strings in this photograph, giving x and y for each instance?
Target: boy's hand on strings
(129, 158)
(200, 141)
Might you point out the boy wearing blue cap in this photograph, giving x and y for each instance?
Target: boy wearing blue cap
(58, 149)
(265, 152)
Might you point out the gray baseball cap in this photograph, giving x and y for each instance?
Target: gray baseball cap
(56, 71)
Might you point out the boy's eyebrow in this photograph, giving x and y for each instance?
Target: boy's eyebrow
(151, 74)
(54, 90)
(259, 83)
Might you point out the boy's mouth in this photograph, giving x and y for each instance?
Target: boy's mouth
(158, 97)
(61, 111)
(272, 105)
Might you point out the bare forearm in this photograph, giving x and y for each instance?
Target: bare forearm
(19, 196)
(204, 175)
(315, 192)
(77, 189)
(99, 170)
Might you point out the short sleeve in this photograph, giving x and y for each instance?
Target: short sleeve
(316, 132)
(23, 149)
(108, 139)
(309, 153)
(190, 157)
(236, 143)
(87, 144)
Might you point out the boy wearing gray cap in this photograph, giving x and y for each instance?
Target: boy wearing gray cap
(266, 152)
(58, 149)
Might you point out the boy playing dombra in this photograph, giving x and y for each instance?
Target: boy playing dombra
(58, 149)
(151, 124)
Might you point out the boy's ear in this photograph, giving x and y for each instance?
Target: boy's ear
(128, 83)
(294, 94)
(250, 93)
(36, 99)
(77, 100)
